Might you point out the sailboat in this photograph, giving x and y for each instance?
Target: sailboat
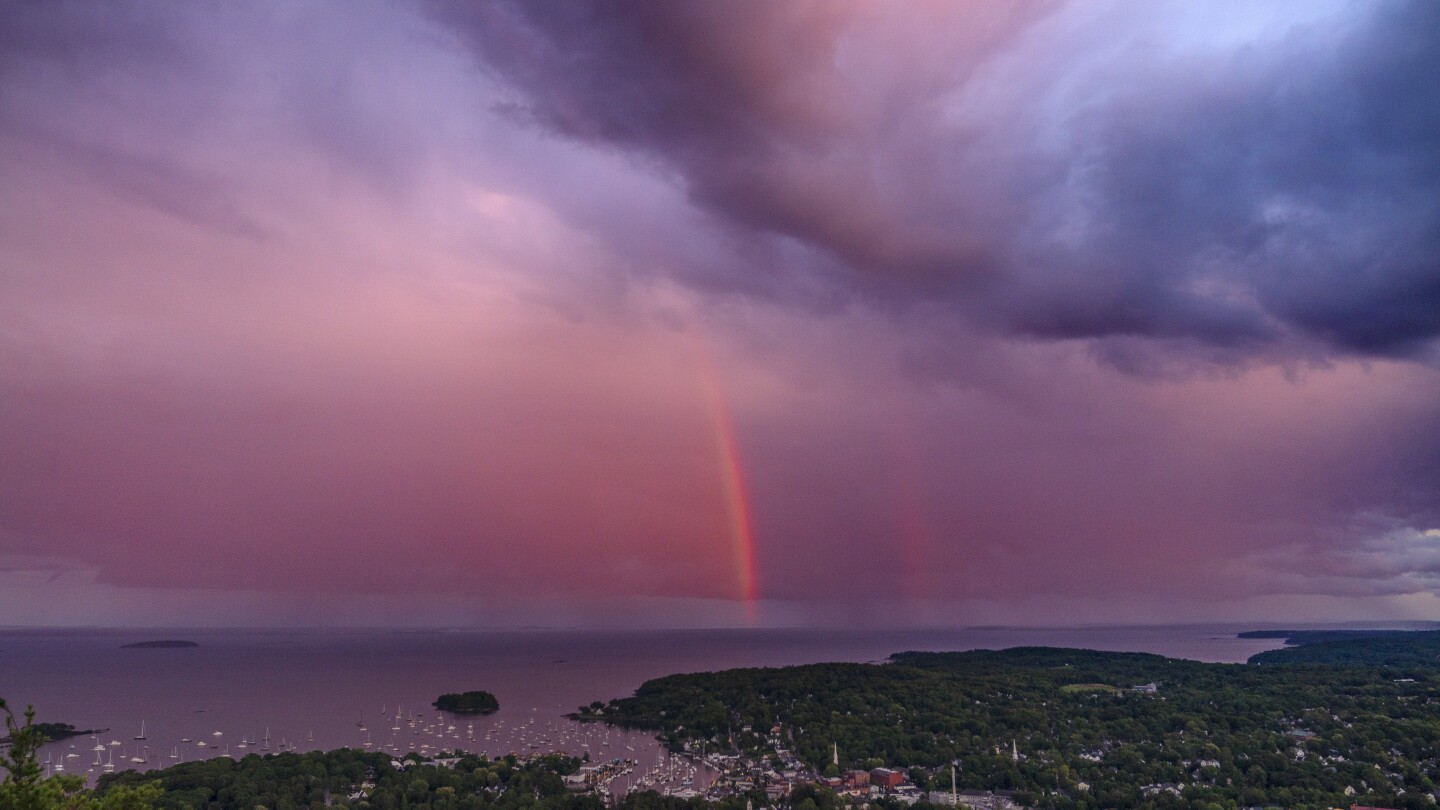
(141, 735)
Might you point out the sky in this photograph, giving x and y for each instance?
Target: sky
(730, 313)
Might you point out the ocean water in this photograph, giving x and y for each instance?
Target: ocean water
(323, 689)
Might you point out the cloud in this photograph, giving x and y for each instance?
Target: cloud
(1009, 306)
(1061, 171)
(1377, 557)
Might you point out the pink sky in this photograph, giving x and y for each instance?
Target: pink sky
(990, 313)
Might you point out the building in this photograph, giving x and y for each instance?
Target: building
(886, 778)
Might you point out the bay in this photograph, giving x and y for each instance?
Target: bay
(324, 689)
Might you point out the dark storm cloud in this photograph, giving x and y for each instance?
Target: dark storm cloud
(748, 103)
(1225, 198)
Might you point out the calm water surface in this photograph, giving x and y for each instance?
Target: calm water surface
(314, 689)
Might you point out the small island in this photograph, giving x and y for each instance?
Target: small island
(479, 702)
(54, 732)
(168, 644)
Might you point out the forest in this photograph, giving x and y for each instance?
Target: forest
(1078, 728)
(359, 779)
(1392, 650)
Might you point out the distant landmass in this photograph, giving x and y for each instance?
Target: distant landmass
(58, 731)
(159, 645)
(1396, 649)
(477, 702)
(1296, 638)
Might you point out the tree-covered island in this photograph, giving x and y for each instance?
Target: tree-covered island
(476, 702)
(54, 732)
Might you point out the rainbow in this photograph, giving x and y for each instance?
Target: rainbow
(914, 524)
(732, 477)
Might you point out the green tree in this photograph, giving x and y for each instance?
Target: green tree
(25, 788)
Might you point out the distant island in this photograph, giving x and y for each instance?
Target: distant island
(159, 645)
(478, 702)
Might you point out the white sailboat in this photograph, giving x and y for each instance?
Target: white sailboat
(141, 735)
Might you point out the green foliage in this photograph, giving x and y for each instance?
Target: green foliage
(650, 800)
(359, 779)
(477, 702)
(25, 789)
(1224, 734)
(1398, 650)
